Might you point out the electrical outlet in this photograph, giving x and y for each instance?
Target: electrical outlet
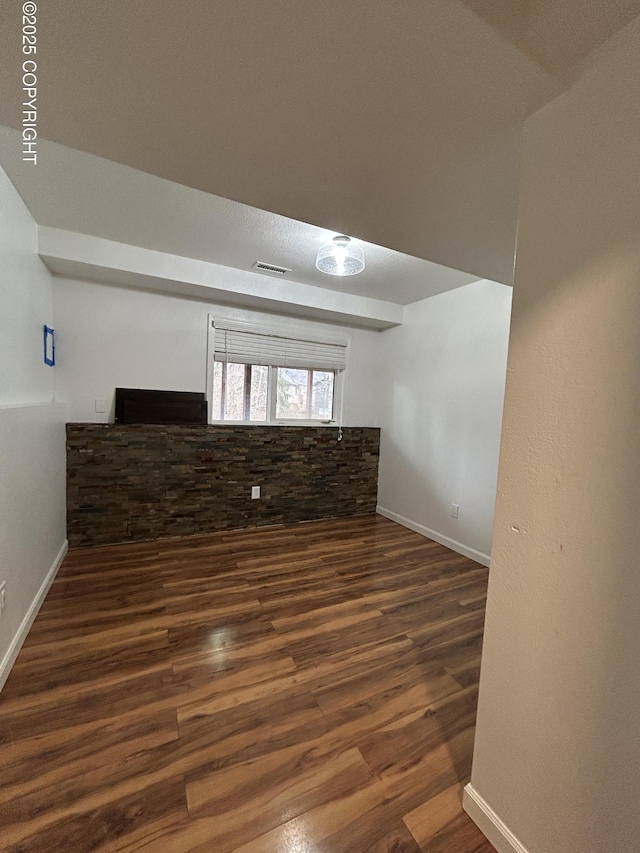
(3, 595)
(255, 492)
(455, 508)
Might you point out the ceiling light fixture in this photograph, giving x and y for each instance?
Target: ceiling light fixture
(340, 257)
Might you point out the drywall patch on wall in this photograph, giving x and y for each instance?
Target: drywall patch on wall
(135, 482)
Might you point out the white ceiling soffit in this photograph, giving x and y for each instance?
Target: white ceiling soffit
(398, 123)
(78, 192)
(88, 258)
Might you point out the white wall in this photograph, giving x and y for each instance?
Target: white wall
(441, 388)
(32, 442)
(111, 336)
(26, 304)
(557, 754)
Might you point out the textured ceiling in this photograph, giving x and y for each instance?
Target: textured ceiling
(83, 193)
(398, 123)
(558, 35)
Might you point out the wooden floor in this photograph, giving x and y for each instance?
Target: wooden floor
(309, 689)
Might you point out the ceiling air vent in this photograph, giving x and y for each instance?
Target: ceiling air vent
(260, 265)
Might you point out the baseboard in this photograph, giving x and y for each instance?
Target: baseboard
(489, 823)
(21, 635)
(478, 556)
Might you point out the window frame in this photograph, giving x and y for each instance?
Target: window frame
(339, 382)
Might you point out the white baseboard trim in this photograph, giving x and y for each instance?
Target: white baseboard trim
(21, 634)
(489, 823)
(478, 556)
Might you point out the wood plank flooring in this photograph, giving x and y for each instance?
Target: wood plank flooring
(306, 689)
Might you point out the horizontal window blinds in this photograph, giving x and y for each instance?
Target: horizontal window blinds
(259, 345)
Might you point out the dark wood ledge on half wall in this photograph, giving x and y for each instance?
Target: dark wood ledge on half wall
(130, 482)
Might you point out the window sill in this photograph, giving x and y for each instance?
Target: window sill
(275, 423)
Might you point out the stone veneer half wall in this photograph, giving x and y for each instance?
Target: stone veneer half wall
(135, 482)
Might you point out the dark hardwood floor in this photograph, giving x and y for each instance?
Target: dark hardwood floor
(308, 689)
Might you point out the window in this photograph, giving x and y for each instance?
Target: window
(261, 394)
(262, 375)
(304, 394)
(240, 392)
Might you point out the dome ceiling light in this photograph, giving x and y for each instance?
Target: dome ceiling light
(340, 257)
